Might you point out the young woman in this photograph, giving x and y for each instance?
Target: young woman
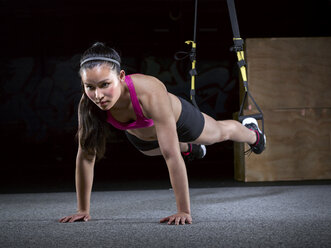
(156, 122)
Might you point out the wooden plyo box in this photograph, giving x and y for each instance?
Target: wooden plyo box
(290, 78)
(298, 148)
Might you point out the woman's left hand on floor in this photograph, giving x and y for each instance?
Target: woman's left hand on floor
(177, 219)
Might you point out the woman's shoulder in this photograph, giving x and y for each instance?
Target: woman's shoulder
(142, 77)
(146, 83)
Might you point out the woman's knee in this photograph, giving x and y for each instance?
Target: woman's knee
(217, 131)
(229, 127)
(222, 131)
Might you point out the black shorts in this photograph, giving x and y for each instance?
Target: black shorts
(189, 127)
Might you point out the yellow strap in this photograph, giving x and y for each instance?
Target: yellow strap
(194, 45)
(240, 56)
(193, 78)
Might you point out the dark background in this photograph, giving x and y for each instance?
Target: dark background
(41, 44)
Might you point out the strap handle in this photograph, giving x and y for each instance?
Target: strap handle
(238, 47)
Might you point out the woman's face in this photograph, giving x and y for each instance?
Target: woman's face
(102, 85)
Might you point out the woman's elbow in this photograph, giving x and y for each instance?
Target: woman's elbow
(170, 154)
(84, 155)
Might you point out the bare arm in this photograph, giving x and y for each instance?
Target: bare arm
(84, 180)
(160, 109)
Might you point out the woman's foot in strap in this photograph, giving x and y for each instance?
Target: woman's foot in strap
(260, 144)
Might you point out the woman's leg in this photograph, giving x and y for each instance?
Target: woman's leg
(218, 131)
(151, 148)
(157, 152)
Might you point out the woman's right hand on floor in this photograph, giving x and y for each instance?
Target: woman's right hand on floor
(75, 217)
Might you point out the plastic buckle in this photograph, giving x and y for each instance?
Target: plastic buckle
(241, 63)
(193, 72)
(236, 48)
(238, 45)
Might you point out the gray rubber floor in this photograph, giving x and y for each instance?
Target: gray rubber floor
(268, 216)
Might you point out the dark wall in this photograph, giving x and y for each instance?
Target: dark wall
(40, 88)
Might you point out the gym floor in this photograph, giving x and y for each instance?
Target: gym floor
(225, 214)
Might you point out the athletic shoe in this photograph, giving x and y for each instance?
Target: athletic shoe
(195, 152)
(260, 143)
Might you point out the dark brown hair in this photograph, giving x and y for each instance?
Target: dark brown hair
(93, 129)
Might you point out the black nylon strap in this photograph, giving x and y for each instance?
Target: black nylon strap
(233, 18)
(195, 21)
(181, 55)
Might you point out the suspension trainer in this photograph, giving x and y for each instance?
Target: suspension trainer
(238, 47)
(192, 55)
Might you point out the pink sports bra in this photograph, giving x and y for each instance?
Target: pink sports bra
(141, 121)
